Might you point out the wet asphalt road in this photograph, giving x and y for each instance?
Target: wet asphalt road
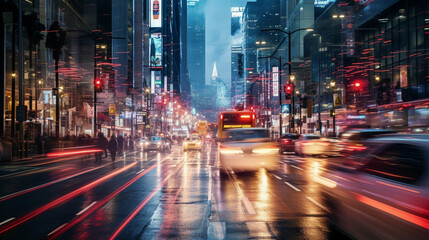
(171, 195)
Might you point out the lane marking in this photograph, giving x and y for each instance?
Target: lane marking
(279, 178)
(293, 187)
(258, 229)
(84, 210)
(57, 229)
(318, 204)
(219, 230)
(248, 206)
(137, 173)
(297, 167)
(6, 221)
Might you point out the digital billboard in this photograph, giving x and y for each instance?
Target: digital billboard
(155, 50)
(155, 13)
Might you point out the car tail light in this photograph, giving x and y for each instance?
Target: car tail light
(267, 150)
(356, 148)
(285, 141)
(245, 116)
(305, 143)
(230, 151)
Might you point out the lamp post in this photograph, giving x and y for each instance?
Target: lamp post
(289, 34)
(279, 59)
(333, 84)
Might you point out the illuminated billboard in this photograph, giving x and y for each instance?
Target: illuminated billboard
(155, 13)
(155, 50)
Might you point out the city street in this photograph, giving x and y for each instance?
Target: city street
(153, 195)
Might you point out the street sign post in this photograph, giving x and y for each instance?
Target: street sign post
(337, 100)
(112, 109)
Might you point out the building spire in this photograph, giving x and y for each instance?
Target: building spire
(214, 75)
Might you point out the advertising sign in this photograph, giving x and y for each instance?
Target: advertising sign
(155, 13)
(275, 81)
(285, 108)
(155, 50)
(404, 77)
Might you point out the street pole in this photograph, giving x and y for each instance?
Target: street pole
(21, 78)
(280, 96)
(292, 123)
(57, 99)
(95, 92)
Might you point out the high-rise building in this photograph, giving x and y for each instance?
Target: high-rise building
(196, 50)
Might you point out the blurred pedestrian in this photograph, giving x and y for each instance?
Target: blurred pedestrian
(120, 140)
(113, 147)
(131, 143)
(101, 143)
(125, 142)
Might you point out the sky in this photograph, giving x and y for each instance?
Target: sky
(218, 37)
(218, 34)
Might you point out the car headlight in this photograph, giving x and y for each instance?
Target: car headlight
(230, 151)
(271, 150)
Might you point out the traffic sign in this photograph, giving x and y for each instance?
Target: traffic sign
(112, 109)
(337, 100)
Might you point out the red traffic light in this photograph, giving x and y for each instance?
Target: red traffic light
(357, 84)
(98, 85)
(288, 88)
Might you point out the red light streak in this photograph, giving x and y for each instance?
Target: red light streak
(64, 198)
(68, 153)
(422, 222)
(48, 184)
(140, 206)
(101, 203)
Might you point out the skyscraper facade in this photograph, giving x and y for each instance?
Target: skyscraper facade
(196, 49)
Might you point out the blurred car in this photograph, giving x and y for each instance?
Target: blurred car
(385, 195)
(248, 149)
(193, 143)
(352, 142)
(141, 143)
(286, 143)
(309, 144)
(157, 144)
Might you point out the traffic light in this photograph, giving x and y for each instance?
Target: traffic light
(288, 90)
(357, 86)
(164, 101)
(98, 85)
(332, 112)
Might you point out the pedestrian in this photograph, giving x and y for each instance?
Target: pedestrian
(120, 140)
(101, 144)
(113, 147)
(125, 142)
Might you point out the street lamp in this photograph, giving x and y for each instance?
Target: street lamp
(289, 34)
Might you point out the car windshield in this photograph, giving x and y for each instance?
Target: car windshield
(290, 137)
(242, 135)
(154, 139)
(312, 137)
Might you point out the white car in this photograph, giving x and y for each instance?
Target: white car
(309, 144)
(384, 195)
(193, 143)
(248, 149)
